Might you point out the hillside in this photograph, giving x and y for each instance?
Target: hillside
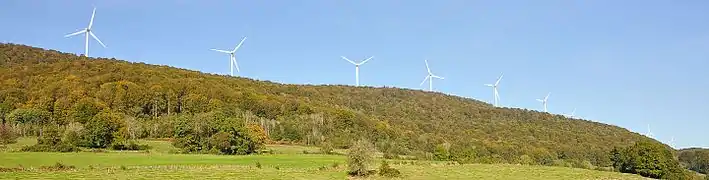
(400, 121)
(696, 159)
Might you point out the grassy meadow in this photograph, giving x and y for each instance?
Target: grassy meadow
(286, 162)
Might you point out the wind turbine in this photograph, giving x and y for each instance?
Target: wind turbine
(429, 77)
(672, 141)
(357, 67)
(572, 114)
(495, 95)
(648, 134)
(88, 32)
(544, 101)
(232, 58)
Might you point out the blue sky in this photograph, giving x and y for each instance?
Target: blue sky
(628, 63)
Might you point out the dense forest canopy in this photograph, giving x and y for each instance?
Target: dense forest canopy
(72, 88)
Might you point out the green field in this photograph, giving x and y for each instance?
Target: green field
(287, 162)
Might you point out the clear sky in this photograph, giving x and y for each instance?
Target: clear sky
(628, 63)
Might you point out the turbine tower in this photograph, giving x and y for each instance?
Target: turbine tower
(232, 57)
(495, 95)
(88, 32)
(357, 67)
(544, 101)
(429, 77)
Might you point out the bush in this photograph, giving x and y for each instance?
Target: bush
(326, 148)
(647, 159)
(203, 132)
(99, 132)
(129, 145)
(386, 171)
(57, 167)
(7, 135)
(60, 147)
(389, 155)
(442, 152)
(359, 157)
(51, 141)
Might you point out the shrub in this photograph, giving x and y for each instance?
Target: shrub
(99, 132)
(526, 160)
(50, 141)
(386, 171)
(7, 136)
(647, 159)
(129, 145)
(258, 164)
(326, 148)
(389, 155)
(359, 157)
(57, 167)
(442, 152)
(60, 147)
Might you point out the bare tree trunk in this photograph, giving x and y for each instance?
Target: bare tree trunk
(168, 106)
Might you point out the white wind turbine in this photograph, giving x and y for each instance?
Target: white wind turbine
(429, 77)
(572, 114)
(357, 67)
(648, 133)
(672, 142)
(496, 96)
(544, 101)
(232, 58)
(88, 31)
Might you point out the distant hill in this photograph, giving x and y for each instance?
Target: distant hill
(399, 121)
(696, 159)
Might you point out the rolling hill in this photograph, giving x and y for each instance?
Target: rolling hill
(399, 121)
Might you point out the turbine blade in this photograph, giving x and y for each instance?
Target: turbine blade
(427, 68)
(76, 33)
(96, 38)
(498, 79)
(439, 77)
(237, 46)
(235, 64)
(540, 100)
(365, 61)
(220, 50)
(343, 57)
(490, 85)
(547, 97)
(424, 80)
(91, 23)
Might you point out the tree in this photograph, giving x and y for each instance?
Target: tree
(5, 109)
(99, 132)
(86, 109)
(646, 159)
(359, 157)
(33, 117)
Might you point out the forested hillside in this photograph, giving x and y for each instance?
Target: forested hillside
(696, 159)
(73, 88)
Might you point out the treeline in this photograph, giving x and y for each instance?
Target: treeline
(201, 110)
(696, 159)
